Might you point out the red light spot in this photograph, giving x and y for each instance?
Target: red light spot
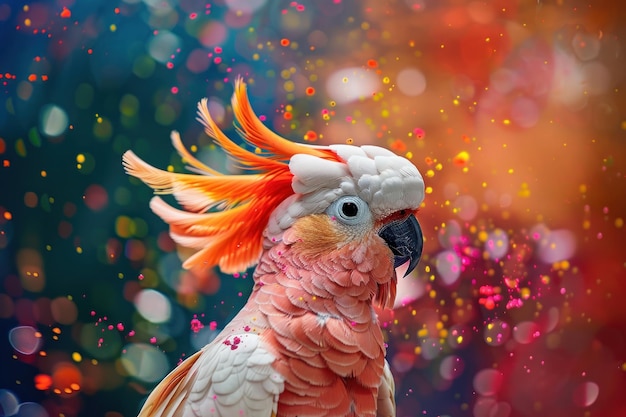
(310, 135)
(285, 42)
(96, 197)
(310, 91)
(43, 382)
(287, 115)
(66, 13)
(32, 77)
(372, 63)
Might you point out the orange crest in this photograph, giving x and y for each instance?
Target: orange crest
(231, 238)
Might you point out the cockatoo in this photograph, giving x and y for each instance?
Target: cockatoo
(326, 226)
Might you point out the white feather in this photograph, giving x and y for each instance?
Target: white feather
(386, 181)
(234, 382)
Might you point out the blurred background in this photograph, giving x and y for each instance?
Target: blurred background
(514, 111)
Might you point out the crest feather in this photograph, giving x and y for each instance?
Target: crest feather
(224, 216)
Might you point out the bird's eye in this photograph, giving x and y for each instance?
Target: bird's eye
(350, 210)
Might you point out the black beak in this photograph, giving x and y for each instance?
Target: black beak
(405, 240)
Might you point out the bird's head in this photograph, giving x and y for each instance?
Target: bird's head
(341, 193)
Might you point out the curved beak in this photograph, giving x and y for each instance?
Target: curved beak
(405, 239)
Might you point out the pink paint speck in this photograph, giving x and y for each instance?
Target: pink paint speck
(196, 325)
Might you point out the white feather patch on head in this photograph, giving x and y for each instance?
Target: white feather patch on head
(386, 181)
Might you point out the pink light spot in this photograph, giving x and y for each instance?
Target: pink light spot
(196, 325)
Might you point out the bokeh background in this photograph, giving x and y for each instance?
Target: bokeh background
(514, 111)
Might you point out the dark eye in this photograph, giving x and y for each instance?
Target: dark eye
(349, 209)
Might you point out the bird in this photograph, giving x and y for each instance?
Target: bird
(329, 229)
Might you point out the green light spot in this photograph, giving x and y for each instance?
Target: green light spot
(33, 137)
(102, 129)
(20, 147)
(143, 67)
(83, 97)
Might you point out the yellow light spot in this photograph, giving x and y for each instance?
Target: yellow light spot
(77, 357)
(619, 222)
(80, 158)
(422, 333)
(428, 190)
(79, 250)
(113, 27)
(525, 293)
